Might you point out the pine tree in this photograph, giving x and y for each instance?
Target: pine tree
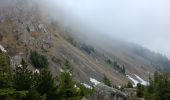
(140, 90)
(5, 71)
(129, 85)
(67, 89)
(23, 77)
(159, 87)
(39, 61)
(46, 85)
(84, 92)
(123, 70)
(106, 81)
(7, 91)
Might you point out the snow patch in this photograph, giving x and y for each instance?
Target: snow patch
(20, 66)
(86, 85)
(2, 48)
(61, 70)
(75, 86)
(133, 80)
(37, 71)
(94, 81)
(119, 87)
(143, 82)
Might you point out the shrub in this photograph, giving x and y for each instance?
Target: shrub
(39, 61)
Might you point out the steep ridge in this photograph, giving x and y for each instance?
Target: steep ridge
(23, 29)
(22, 32)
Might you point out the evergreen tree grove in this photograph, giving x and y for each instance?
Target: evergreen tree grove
(24, 84)
(159, 87)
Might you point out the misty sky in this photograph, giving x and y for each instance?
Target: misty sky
(145, 22)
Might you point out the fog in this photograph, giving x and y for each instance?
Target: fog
(144, 22)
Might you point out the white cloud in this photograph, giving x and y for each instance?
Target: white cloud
(145, 22)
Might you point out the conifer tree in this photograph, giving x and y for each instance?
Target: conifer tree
(5, 71)
(129, 85)
(159, 87)
(106, 81)
(46, 85)
(140, 90)
(68, 89)
(23, 77)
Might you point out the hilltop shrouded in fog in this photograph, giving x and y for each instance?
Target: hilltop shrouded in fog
(142, 22)
(86, 49)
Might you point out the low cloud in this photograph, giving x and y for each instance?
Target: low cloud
(144, 22)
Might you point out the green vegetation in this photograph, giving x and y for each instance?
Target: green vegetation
(140, 90)
(85, 92)
(7, 92)
(159, 88)
(88, 49)
(39, 61)
(129, 85)
(106, 81)
(24, 84)
(67, 87)
(116, 66)
(5, 71)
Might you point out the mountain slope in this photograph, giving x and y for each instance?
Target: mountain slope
(23, 28)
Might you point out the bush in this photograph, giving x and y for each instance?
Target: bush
(39, 61)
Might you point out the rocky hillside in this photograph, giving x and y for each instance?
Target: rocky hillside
(24, 28)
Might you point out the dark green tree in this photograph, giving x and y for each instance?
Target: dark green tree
(23, 77)
(106, 81)
(140, 90)
(129, 85)
(84, 91)
(5, 71)
(46, 85)
(7, 91)
(159, 87)
(67, 87)
(39, 61)
(123, 70)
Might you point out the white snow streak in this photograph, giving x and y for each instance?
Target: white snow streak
(61, 70)
(86, 85)
(2, 48)
(94, 81)
(143, 82)
(133, 80)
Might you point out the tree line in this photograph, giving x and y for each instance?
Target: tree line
(116, 66)
(24, 84)
(157, 89)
